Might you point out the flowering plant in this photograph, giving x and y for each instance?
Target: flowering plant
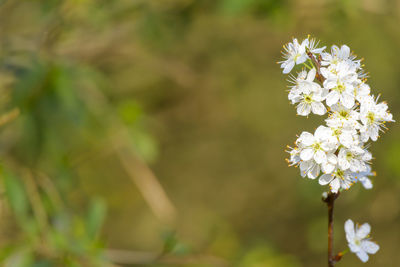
(334, 83)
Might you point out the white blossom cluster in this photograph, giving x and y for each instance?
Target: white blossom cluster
(333, 83)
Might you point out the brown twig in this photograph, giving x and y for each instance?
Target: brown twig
(330, 201)
(317, 63)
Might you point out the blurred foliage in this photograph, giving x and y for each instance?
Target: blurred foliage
(152, 132)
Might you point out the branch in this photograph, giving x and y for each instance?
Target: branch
(317, 64)
(330, 201)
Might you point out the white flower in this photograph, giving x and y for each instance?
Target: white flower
(294, 156)
(316, 146)
(311, 102)
(361, 90)
(309, 94)
(373, 116)
(296, 89)
(358, 240)
(340, 84)
(294, 53)
(309, 168)
(354, 158)
(330, 164)
(342, 117)
(303, 85)
(338, 55)
(346, 137)
(312, 46)
(337, 179)
(363, 178)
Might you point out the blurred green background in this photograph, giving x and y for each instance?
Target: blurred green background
(152, 133)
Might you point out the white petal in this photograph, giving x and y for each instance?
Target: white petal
(363, 231)
(322, 133)
(349, 228)
(342, 159)
(367, 156)
(343, 163)
(303, 109)
(320, 157)
(373, 132)
(314, 171)
(346, 139)
(330, 82)
(304, 167)
(289, 66)
(325, 179)
(306, 154)
(332, 98)
(347, 100)
(301, 59)
(306, 139)
(353, 247)
(318, 108)
(335, 185)
(366, 183)
(344, 52)
(369, 246)
(311, 75)
(325, 72)
(362, 255)
(332, 158)
(328, 167)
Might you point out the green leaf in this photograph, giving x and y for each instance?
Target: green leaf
(16, 195)
(95, 218)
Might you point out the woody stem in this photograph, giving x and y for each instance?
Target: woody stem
(317, 64)
(330, 200)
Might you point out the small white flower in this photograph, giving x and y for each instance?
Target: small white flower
(346, 137)
(358, 240)
(309, 168)
(361, 90)
(311, 102)
(342, 117)
(294, 53)
(340, 84)
(363, 177)
(312, 46)
(304, 87)
(373, 116)
(316, 146)
(338, 55)
(294, 156)
(337, 179)
(296, 89)
(354, 158)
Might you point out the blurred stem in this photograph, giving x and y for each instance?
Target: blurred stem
(9, 116)
(139, 172)
(330, 201)
(49, 187)
(36, 202)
